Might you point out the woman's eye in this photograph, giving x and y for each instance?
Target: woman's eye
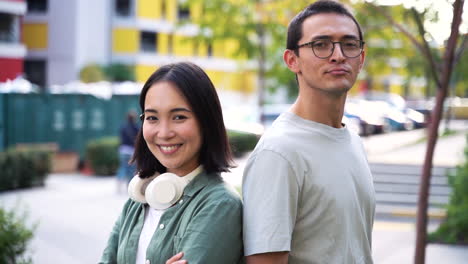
(151, 118)
(179, 117)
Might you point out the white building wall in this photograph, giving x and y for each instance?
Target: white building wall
(62, 40)
(93, 33)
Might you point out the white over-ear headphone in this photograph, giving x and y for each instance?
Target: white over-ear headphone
(160, 191)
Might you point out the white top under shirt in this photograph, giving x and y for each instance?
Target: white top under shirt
(152, 217)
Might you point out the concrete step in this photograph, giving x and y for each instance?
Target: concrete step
(411, 199)
(399, 211)
(416, 170)
(407, 179)
(383, 187)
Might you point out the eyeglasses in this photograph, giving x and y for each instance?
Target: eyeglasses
(323, 48)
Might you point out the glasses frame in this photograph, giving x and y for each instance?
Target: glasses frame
(310, 43)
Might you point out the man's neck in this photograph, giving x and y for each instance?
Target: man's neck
(320, 107)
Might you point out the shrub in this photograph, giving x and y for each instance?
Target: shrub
(241, 142)
(14, 238)
(455, 227)
(92, 73)
(102, 155)
(117, 72)
(23, 168)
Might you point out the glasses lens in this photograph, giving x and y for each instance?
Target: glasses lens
(322, 48)
(351, 47)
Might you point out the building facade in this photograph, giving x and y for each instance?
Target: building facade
(12, 49)
(62, 37)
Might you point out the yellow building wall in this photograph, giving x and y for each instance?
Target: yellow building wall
(125, 40)
(196, 11)
(151, 9)
(218, 49)
(171, 10)
(143, 72)
(398, 89)
(35, 35)
(202, 49)
(233, 81)
(183, 46)
(163, 43)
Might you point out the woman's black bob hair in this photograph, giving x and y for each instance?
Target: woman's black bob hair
(199, 91)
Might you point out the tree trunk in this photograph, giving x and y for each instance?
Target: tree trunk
(421, 228)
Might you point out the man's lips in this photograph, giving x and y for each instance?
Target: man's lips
(337, 71)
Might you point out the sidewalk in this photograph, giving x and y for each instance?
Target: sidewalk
(76, 212)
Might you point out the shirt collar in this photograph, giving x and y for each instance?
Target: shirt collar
(200, 181)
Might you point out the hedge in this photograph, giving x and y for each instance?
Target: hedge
(454, 229)
(23, 168)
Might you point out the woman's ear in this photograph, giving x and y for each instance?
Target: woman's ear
(291, 60)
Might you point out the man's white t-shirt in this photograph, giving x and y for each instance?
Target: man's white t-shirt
(308, 189)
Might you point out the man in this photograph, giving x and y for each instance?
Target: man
(308, 191)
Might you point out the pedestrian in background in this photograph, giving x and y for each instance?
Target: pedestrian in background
(307, 188)
(180, 209)
(128, 132)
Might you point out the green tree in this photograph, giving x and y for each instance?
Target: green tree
(260, 29)
(441, 73)
(14, 238)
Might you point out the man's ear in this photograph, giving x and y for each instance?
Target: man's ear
(291, 60)
(362, 59)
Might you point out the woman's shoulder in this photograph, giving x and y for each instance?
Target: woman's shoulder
(219, 191)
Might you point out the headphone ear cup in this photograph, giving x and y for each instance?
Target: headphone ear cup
(137, 187)
(165, 190)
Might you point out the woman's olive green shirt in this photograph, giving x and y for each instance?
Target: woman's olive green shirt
(206, 224)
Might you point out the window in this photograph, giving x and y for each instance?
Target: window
(39, 6)
(122, 7)
(35, 71)
(148, 41)
(8, 28)
(183, 13)
(210, 50)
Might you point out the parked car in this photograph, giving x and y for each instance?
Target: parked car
(371, 119)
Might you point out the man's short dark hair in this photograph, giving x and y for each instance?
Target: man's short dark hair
(319, 7)
(200, 93)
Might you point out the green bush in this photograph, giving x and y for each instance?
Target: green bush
(242, 142)
(118, 72)
(23, 168)
(14, 238)
(455, 227)
(92, 73)
(102, 155)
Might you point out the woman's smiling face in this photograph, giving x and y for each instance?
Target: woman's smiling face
(171, 129)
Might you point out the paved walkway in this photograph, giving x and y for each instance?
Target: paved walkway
(76, 212)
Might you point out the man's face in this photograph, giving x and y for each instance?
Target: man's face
(337, 73)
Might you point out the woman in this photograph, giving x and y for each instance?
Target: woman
(181, 210)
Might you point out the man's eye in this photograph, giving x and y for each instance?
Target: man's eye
(320, 44)
(351, 44)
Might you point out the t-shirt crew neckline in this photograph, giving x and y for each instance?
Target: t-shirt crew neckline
(328, 131)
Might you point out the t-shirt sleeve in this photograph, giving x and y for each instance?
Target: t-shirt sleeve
(270, 191)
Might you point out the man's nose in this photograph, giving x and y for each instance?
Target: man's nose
(337, 54)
